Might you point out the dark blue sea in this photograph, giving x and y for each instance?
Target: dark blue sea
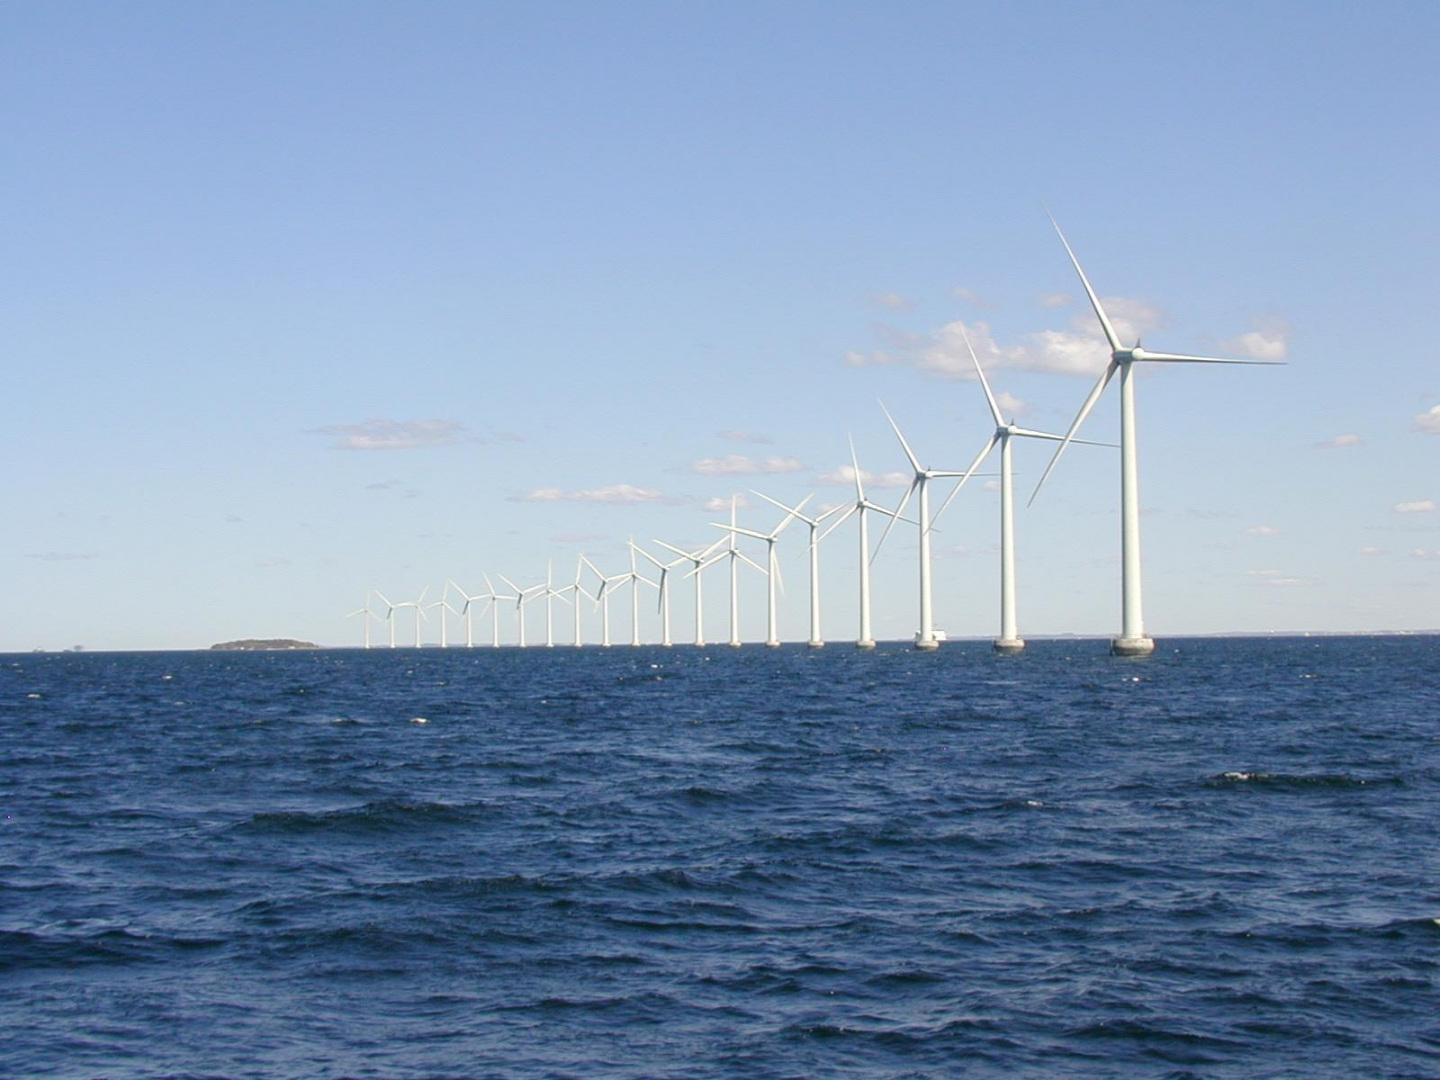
(705, 863)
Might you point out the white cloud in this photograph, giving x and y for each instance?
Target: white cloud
(738, 435)
(1010, 405)
(380, 434)
(1371, 551)
(1428, 422)
(1285, 582)
(1422, 553)
(1339, 442)
(845, 474)
(991, 485)
(1265, 342)
(1263, 573)
(614, 494)
(892, 301)
(877, 358)
(1056, 300)
(740, 465)
(721, 504)
(969, 296)
(1421, 506)
(1262, 530)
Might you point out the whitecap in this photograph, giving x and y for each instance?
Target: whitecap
(419, 720)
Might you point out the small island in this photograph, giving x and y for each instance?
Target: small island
(263, 645)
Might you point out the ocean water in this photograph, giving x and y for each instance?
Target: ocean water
(1219, 862)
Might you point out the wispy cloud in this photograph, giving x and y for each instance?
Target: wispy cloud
(722, 503)
(1371, 551)
(845, 474)
(740, 465)
(1266, 342)
(1056, 300)
(892, 301)
(62, 556)
(1420, 506)
(1425, 553)
(1010, 405)
(380, 434)
(969, 296)
(742, 436)
(613, 494)
(1262, 530)
(1340, 442)
(1428, 422)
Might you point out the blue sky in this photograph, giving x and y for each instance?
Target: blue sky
(301, 299)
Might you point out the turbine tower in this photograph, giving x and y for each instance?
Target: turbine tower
(578, 591)
(1133, 640)
(925, 636)
(697, 559)
(861, 506)
(1009, 642)
(465, 610)
(521, 598)
(444, 606)
(736, 556)
(816, 641)
(772, 572)
(368, 615)
(602, 597)
(663, 601)
(389, 612)
(494, 599)
(419, 613)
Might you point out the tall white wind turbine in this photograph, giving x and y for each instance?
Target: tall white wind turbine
(736, 556)
(521, 598)
(697, 560)
(551, 594)
(664, 598)
(925, 636)
(602, 597)
(392, 608)
(576, 590)
(1133, 640)
(467, 610)
(1009, 641)
(861, 506)
(367, 616)
(772, 564)
(494, 598)
(816, 641)
(444, 606)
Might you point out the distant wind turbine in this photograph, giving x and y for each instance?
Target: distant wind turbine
(1132, 640)
(736, 556)
(816, 641)
(1009, 640)
(772, 564)
(697, 560)
(663, 601)
(368, 615)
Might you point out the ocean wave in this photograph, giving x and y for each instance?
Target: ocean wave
(1301, 781)
(381, 816)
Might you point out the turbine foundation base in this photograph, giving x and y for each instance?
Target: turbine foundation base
(865, 643)
(927, 644)
(815, 644)
(1009, 646)
(772, 644)
(1135, 646)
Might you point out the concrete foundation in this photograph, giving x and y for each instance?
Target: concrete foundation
(1139, 646)
(1009, 646)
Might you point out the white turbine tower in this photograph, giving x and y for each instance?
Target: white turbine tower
(444, 606)
(521, 598)
(602, 597)
(466, 611)
(389, 615)
(551, 593)
(392, 608)
(1132, 640)
(577, 590)
(494, 599)
(1009, 641)
(368, 615)
(816, 641)
(925, 636)
(736, 556)
(772, 564)
(697, 559)
(634, 577)
(861, 506)
(664, 598)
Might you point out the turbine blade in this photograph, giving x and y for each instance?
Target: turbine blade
(751, 562)
(855, 462)
(743, 532)
(838, 521)
(894, 517)
(914, 461)
(1110, 335)
(672, 547)
(1027, 433)
(980, 457)
(1095, 393)
(984, 382)
(1178, 358)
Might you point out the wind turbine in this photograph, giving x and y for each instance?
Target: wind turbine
(494, 599)
(466, 612)
(634, 577)
(815, 642)
(925, 637)
(419, 613)
(772, 573)
(736, 555)
(1009, 641)
(1132, 640)
(578, 590)
(444, 606)
(368, 615)
(697, 559)
(602, 597)
(521, 598)
(860, 506)
(550, 594)
(664, 598)
(389, 611)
